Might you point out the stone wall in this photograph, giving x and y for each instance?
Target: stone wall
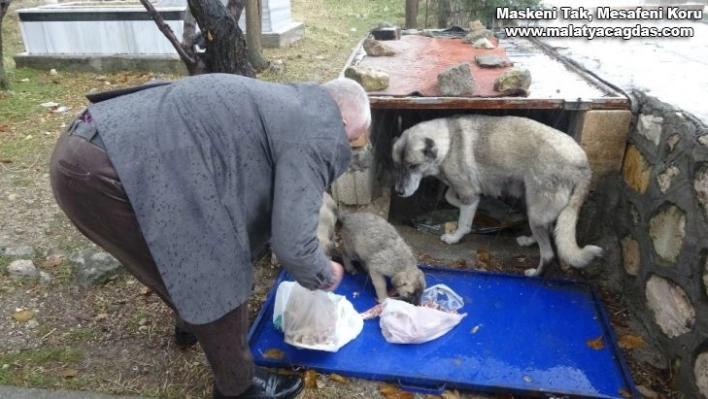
(656, 230)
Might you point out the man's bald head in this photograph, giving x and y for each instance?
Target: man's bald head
(353, 103)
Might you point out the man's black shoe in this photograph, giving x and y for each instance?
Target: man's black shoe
(269, 385)
(184, 338)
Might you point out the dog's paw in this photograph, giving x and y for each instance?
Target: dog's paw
(450, 238)
(525, 241)
(531, 272)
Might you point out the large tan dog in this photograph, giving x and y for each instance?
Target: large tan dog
(479, 155)
(375, 243)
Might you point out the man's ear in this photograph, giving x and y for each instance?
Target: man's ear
(430, 151)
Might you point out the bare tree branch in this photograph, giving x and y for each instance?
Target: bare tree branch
(169, 34)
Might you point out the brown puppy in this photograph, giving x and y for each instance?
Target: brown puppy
(376, 244)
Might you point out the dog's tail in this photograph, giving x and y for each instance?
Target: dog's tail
(566, 243)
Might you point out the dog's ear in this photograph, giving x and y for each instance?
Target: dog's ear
(430, 151)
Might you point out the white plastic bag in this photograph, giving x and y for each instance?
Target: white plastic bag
(316, 320)
(403, 323)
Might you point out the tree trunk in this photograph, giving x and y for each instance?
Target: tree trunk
(254, 28)
(235, 8)
(411, 14)
(4, 82)
(225, 44)
(443, 13)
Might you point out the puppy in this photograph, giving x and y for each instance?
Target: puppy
(325, 228)
(376, 244)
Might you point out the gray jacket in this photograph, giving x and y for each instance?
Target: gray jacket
(216, 165)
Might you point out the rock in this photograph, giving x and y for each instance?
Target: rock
(456, 81)
(673, 311)
(22, 269)
(672, 141)
(476, 35)
(650, 127)
(371, 79)
(45, 278)
(375, 48)
(97, 269)
(514, 78)
(631, 256)
(646, 392)
(667, 230)
(53, 72)
(636, 170)
(665, 178)
(483, 43)
(276, 67)
(476, 25)
(703, 139)
(491, 61)
(20, 251)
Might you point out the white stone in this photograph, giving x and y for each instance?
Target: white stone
(703, 139)
(667, 177)
(22, 268)
(649, 126)
(700, 372)
(667, 230)
(673, 311)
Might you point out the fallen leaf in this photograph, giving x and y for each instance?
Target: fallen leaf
(49, 104)
(68, 373)
(630, 341)
(338, 378)
(147, 291)
(23, 315)
(209, 36)
(52, 261)
(101, 317)
(310, 379)
(393, 392)
(624, 393)
(4, 128)
(274, 353)
(597, 343)
(475, 329)
(484, 258)
(447, 394)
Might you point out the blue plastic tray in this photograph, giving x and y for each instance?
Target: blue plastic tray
(521, 335)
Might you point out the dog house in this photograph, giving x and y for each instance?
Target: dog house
(561, 95)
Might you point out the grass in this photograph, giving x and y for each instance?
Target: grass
(42, 367)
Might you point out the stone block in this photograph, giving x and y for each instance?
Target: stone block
(354, 187)
(631, 256)
(667, 229)
(649, 126)
(636, 170)
(375, 48)
(673, 311)
(603, 136)
(666, 178)
(700, 373)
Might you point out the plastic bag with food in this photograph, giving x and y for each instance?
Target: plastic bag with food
(316, 319)
(403, 323)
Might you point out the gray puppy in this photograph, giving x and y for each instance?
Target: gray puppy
(376, 244)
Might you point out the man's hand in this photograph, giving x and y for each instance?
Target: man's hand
(337, 275)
